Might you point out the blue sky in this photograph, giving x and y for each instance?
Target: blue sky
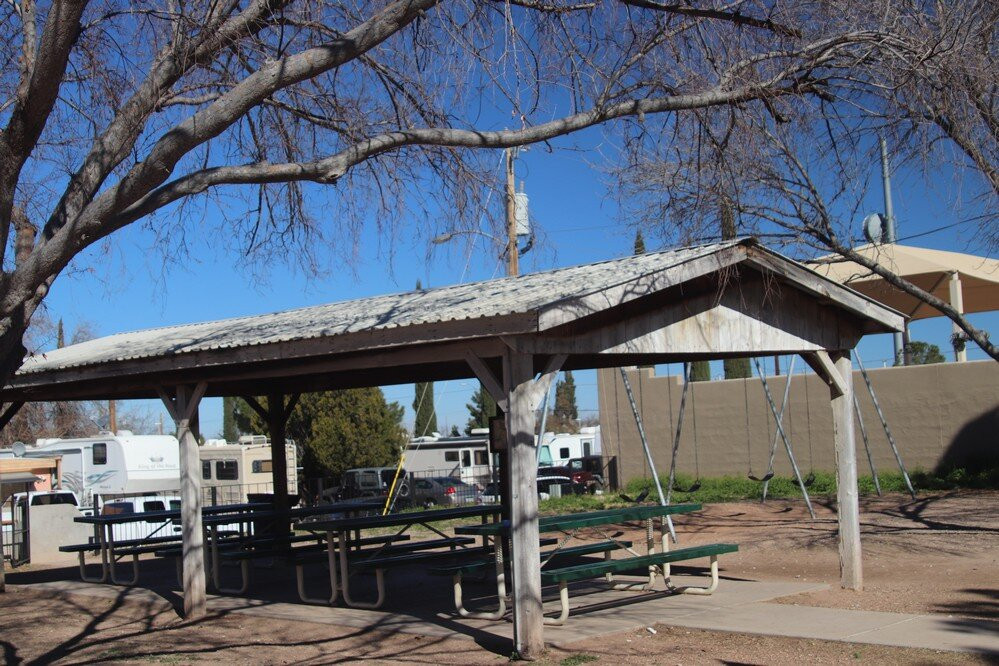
(126, 285)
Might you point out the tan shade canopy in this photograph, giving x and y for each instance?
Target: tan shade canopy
(931, 270)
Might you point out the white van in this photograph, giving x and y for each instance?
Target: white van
(151, 527)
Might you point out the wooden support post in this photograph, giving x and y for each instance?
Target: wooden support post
(183, 410)
(3, 575)
(528, 620)
(848, 505)
(276, 421)
(8, 413)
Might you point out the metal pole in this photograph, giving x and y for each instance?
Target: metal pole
(884, 424)
(679, 429)
(544, 418)
(867, 446)
(787, 444)
(773, 446)
(891, 234)
(645, 446)
(957, 301)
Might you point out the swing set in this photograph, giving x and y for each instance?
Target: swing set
(779, 434)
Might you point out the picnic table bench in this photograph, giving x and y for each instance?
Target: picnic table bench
(216, 520)
(344, 561)
(655, 563)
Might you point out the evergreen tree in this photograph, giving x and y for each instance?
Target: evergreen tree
(566, 415)
(700, 371)
(923, 353)
(339, 430)
(454, 432)
(425, 422)
(60, 336)
(229, 430)
(639, 242)
(737, 368)
(480, 410)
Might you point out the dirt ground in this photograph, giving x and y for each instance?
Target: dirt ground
(933, 555)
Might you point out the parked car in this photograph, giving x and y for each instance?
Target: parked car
(428, 491)
(491, 493)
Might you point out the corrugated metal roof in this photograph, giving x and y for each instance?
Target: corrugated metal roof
(503, 296)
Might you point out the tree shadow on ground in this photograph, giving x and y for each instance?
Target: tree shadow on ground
(983, 603)
(125, 634)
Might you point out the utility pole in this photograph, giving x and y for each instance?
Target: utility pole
(891, 236)
(112, 417)
(512, 254)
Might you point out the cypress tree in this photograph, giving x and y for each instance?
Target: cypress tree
(700, 371)
(566, 414)
(229, 430)
(425, 421)
(480, 410)
(425, 416)
(639, 242)
(60, 336)
(735, 368)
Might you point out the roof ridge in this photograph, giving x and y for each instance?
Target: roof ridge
(443, 288)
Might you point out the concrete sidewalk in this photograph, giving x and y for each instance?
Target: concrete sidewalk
(737, 606)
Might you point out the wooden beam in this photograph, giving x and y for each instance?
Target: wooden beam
(290, 407)
(826, 369)
(9, 413)
(487, 379)
(528, 621)
(256, 406)
(183, 408)
(833, 292)
(544, 381)
(847, 500)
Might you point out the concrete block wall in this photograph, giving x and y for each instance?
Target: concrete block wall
(941, 414)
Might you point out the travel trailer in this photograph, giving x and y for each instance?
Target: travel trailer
(232, 471)
(113, 464)
(557, 449)
(465, 458)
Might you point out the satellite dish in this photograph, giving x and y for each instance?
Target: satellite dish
(874, 228)
(18, 448)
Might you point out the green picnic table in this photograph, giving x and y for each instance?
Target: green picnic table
(657, 562)
(389, 554)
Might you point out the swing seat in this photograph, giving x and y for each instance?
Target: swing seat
(766, 477)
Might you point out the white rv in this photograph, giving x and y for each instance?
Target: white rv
(557, 449)
(237, 469)
(465, 458)
(122, 464)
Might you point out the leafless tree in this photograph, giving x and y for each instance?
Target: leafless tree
(302, 120)
(797, 168)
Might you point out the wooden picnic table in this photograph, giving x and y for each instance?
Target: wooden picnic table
(338, 543)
